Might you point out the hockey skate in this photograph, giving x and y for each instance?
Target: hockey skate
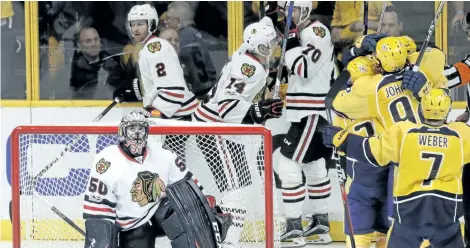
(292, 236)
(318, 229)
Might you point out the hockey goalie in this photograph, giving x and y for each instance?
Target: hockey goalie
(139, 191)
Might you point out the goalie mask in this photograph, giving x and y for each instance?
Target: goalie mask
(133, 133)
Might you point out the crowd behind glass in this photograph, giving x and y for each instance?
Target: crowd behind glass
(86, 51)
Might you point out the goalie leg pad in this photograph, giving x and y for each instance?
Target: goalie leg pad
(194, 214)
(101, 234)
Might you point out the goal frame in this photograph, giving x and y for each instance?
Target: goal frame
(156, 130)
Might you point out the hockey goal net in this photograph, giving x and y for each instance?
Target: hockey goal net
(51, 165)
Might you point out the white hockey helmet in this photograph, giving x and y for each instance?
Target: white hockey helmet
(144, 12)
(257, 34)
(305, 9)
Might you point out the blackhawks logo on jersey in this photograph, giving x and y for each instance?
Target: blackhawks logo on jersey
(147, 187)
(248, 70)
(154, 46)
(102, 166)
(319, 31)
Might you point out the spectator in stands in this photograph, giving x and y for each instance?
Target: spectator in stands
(392, 23)
(87, 62)
(202, 54)
(171, 36)
(347, 24)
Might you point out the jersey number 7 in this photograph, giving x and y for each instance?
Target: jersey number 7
(437, 159)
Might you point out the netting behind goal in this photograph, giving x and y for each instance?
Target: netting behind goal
(51, 165)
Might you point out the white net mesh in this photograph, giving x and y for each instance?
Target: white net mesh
(230, 167)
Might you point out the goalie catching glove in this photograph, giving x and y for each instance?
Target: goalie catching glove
(264, 110)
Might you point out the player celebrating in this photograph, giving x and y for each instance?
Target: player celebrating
(161, 85)
(309, 58)
(131, 196)
(368, 186)
(429, 157)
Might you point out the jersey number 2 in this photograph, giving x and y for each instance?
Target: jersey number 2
(161, 71)
(436, 165)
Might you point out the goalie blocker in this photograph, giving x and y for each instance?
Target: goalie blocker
(185, 216)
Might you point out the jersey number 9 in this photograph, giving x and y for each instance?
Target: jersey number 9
(402, 103)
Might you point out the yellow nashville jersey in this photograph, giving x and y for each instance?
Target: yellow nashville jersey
(432, 65)
(379, 96)
(429, 159)
(365, 127)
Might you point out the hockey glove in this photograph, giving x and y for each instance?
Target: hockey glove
(334, 137)
(366, 44)
(416, 82)
(129, 94)
(266, 109)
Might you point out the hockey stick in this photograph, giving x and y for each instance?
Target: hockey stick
(330, 97)
(366, 17)
(431, 29)
(51, 164)
(277, 85)
(382, 14)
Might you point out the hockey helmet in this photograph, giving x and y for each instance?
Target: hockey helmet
(133, 132)
(143, 12)
(391, 54)
(362, 66)
(436, 104)
(409, 43)
(257, 34)
(305, 9)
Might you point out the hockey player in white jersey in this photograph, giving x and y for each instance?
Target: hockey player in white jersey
(161, 85)
(309, 59)
(241, 79)
(138, 191)
(231, 101)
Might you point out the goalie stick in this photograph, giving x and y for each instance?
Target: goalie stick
(53, 162)
(330, 97)
(277, 84)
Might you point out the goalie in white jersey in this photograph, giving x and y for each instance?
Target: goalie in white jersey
(161, 85)
(141, 191)
(309, 59)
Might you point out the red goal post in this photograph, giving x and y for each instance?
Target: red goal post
(23, 137)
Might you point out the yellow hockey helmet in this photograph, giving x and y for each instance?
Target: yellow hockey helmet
(436, 104)
(362, 66)
(409, 43)
(391, 53)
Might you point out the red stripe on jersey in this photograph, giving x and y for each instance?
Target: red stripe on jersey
(223, 106)
(310, 127)
(173, 94)
(319, 190)
(121, 223)
(306, 101)
(293, 194)
(188, 108)
(299, 69)
(206, 116)
(97, 209)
